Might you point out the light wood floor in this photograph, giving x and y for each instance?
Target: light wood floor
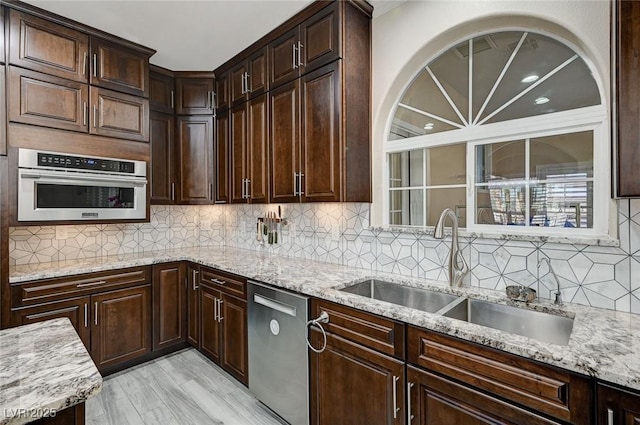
(183, 388)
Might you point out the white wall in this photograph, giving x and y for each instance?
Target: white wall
(408, 36)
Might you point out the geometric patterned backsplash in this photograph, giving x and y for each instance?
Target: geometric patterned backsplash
(605, 277)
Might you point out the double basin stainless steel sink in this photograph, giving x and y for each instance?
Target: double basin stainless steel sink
(544, 327)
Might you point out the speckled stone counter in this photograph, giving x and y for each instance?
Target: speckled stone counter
(604, 343)
(43, 367)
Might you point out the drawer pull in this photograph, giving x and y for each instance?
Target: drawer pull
(85, 285)
(396, 409)
(219, 282)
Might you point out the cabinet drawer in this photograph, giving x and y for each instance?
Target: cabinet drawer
(225, 282)
(42, 291)
(378, 333)
(542, 388)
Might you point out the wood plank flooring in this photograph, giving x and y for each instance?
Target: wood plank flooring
(183, 388)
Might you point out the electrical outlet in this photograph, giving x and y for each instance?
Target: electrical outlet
(61, 232)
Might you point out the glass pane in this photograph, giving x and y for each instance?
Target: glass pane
(406, 168)
(568, 204)
(562, 156)
(452, 71)
(447, 165)
(73, 196)
(501, 203)
(439, 199)
(407, 123)
(406, 207)
(500, 161)
(490, 55)
(537, 56)
(424, 94)
(570, 88)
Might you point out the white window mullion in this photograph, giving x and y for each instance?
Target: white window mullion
(527, 178)
(424, 182)
(470, 120)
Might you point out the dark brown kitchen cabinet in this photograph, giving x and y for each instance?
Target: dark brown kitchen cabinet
(627, 142)
(45, 100)
(222, 90)
(233, 321)
(162, 182)
(193, 308)
(169, 305)
(114, 114)
(617, 406)
(161, 90)
(74, 415)
(222, 157)
(210, 339)
(308, 46)
(435, 400)
(248, 144)
(75, 309)
(46, 47)
(194, 96)
(121, 326)
(194, 149)
(248, 78)
(305, 140)
(116, 67)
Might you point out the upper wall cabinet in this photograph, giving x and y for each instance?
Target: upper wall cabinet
(627, 172)
(194, 95)
(161, 90)
(308, 46)
(43, 46)
(117, 68)
(248, 78)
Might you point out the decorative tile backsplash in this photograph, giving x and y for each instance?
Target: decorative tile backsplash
(340, 233)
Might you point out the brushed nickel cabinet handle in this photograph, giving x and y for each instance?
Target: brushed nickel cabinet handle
(215, 309)
(95, 65)
(84, 63)
(396, 409)
(248, 188)
(295, 61)
(300, 46)
(172, 100)
(173, 191)
(86, 315)
(195, 278)
(609, 416)
(95, 116)
(219, 282)
(84, 113)
(220, 318)
(300, 176)
(95, 310)
(85, 285)
(409, 415)
(246, 79)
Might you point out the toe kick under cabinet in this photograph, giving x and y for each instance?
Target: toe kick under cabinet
(111, 311)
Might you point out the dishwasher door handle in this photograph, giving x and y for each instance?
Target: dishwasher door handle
(275, 305)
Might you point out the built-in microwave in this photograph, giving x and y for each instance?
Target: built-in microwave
(55, 186)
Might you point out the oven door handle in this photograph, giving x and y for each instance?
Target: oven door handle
(53, 177)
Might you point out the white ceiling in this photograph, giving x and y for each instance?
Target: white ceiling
(188, 35)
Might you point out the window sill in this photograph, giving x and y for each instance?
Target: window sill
(580, 240)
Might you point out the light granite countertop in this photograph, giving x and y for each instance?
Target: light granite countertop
(604, 343)
(44, 367)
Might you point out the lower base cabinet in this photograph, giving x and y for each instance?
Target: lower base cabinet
(617, 407)
(169, 305)
(70, 416)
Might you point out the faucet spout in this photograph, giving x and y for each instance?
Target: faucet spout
(458, 268)
(558, 293)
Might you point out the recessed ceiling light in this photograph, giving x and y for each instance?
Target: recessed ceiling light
(541, 100)
(530, 78)
(429, 126)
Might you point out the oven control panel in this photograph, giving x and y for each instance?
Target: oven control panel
(46, 159)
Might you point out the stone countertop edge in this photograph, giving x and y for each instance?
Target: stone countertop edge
(604, 343)
(44, 367)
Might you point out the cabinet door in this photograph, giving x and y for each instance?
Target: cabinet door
(195, 159)
(283, 61)
(222, 90)
(118, 68)
(238, 145)
(40, 99)
(320, 140)
(169, 305)
(233, 322)
(284, 144)
(161, 92)
(43, 46)
(257, 150)
(162, 180)
(121, 326)
(617, 407)
(119, 115)
(434, 400)
(354, 385)
(222, 157)
(194, 96)
(76, 310)
(257, 82)
(237, 83)
(193, 308)
(320, 37)
(210, 338)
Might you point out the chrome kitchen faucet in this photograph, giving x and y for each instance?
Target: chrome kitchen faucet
(558, 293)
(458, 268)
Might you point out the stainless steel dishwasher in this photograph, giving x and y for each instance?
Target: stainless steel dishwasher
(278, 356)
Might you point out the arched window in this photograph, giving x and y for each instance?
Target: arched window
(507, 129)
